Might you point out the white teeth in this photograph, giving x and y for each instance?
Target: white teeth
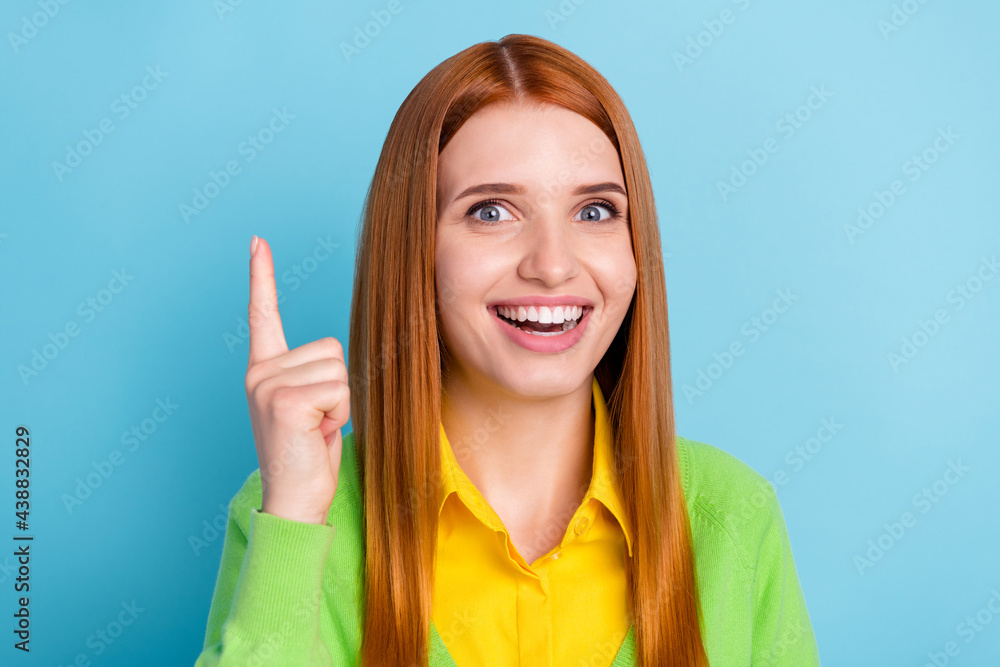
(541, 314)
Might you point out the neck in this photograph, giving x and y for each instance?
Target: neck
(529, 457)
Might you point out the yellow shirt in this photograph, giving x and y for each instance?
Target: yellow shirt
(567, 609)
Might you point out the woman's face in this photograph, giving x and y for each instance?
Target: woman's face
(537, 231)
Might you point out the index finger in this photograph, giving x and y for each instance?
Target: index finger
(267, 338)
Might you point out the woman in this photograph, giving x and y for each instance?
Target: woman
(490, 508)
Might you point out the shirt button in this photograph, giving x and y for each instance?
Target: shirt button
(556, 555)
(582, 525)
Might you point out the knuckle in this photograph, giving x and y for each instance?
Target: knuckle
(333, 347)
(264, 391)
(283, 400)
(345, 397)
(338, 370)
(253, 377)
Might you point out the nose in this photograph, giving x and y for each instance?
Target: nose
(549, 253)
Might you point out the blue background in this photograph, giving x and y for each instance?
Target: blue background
(173, 333)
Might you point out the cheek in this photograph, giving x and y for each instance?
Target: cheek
(448, 271)
(462, 284)
(465, 272)
(621, 276)
(453, 282)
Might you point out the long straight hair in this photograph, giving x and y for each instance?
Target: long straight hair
(397, 356)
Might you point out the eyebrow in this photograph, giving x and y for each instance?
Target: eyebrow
(514, 189)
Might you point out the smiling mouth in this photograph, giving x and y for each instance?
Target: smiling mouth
(539, 329)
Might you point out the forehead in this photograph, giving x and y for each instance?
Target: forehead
(542, 147)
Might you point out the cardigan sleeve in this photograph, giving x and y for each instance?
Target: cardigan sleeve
(266, 606)
(782, 632)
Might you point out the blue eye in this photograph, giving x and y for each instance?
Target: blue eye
(491, 208)
(588, 216)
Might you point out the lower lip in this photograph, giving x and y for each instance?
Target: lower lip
(544, 344)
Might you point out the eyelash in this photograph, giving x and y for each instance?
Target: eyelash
(615, 213)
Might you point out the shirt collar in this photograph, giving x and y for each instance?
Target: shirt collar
(603, 486)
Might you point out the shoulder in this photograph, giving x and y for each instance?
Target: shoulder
(716, 477)
(727, 497)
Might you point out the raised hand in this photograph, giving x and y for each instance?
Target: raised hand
(298, 399)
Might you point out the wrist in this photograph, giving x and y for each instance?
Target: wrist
(299, 514)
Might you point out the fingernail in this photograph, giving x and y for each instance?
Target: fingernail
(253, 245)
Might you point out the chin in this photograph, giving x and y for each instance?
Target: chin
(543, 383)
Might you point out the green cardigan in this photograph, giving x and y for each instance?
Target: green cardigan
(291, 593)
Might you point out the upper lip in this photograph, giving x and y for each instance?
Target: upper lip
(563, 300)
